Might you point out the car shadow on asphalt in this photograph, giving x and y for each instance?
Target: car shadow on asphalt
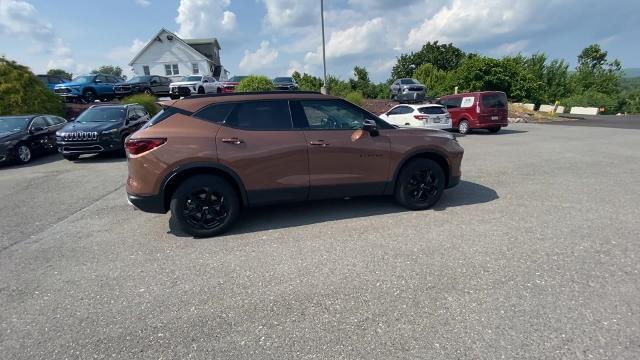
(315, 212)
(110, 157)
(501, 132)
(40, 160)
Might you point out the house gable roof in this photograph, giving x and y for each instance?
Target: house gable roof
(177, 38)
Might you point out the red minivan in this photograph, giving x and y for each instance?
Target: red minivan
(477, 110)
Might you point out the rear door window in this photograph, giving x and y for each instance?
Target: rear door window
(432, 110)
(494, 101)
(452, 103)
(400, 110)
(261, 115)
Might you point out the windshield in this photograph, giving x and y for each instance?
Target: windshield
(407, 81)
(192, 78)
(83, 79)
(237, 78)
(283, 80)
(13, 124)
(102, 114)
(138, 79)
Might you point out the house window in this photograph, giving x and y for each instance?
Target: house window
(196, 69)
(171, 69)
(146, 70)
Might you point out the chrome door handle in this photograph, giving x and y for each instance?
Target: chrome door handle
(234, 141)
(319, 143)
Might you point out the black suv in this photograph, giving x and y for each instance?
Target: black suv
(101, 128)
(148, 84)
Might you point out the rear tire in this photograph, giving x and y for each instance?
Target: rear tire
(494, 130)
(205, 205)
(463, 127)
(420, 184)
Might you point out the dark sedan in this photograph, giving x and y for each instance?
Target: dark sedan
(24, 136)
(149, 84)
(285, 83)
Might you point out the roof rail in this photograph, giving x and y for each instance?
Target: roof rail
(101, 105)
(252, 93)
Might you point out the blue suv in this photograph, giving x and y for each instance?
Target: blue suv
(88, 88)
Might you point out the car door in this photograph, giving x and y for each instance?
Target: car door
(156, 85)
(164, 85)
(401, 116)
(344, 160)
(54, 124)
(102, 85)
(258, 142)
(39, 130)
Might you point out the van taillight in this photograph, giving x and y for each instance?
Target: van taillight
(139, 146)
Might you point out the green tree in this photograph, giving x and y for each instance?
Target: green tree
(363, 84)
(337, 86)
(307, 82)
(595, 73)
(443, 56)
(21, 92)
(438, 82)
(61, 73)
(109, 70)
(255, 83)
(556, 81)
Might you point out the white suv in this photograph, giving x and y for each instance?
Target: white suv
(430, 116)
(195, 84)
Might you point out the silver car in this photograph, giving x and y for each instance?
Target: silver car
(408, 90)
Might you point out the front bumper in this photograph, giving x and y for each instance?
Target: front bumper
(411, 96)
(180, 91)
(151, 204)
(88, 147)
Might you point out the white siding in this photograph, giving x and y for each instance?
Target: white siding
(170, 52)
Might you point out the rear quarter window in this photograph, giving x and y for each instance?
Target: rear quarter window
(494, 101)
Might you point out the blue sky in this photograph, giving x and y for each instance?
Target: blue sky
(275, 37)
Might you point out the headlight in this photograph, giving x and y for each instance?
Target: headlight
(110, 131)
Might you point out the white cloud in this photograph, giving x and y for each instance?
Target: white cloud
(124, 54)
(143, 3)
(354, 40)
(20, 19)
(260, 60)
(291, 13)
(510, 48)
(466, 21)
(299, 67)
(204, 18)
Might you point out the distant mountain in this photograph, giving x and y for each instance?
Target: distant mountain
(631, 72)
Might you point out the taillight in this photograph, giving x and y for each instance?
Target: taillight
(139, 146)
(420, 117)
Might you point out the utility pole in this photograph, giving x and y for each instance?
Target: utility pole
(325, 89)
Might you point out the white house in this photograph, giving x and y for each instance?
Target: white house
(168, 55)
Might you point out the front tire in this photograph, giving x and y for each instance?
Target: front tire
(205, 206)
(463, 127)
(89, 96)
(174, 97)
(148, 91)
(201, 90)
(420, 185)
(23, 153)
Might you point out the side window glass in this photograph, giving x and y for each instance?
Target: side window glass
(40, 122)
(261, 115)
(52, 120)
(394, 111)
(215, 113)
(332, 115)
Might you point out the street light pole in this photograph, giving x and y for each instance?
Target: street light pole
(324, 89)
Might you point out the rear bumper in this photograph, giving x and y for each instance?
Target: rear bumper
(151, 204)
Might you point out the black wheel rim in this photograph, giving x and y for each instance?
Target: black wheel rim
(205, 209)
(89, 96)
(422, 186)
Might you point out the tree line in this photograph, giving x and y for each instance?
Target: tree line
(596, 80)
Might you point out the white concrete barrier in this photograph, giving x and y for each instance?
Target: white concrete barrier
(579, 110)
(547, 108)
(560, 110)
(529, 106)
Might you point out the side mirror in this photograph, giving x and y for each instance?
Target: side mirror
(371, 127)
(205, 81)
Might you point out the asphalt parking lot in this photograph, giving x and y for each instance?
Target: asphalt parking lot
(535, 255)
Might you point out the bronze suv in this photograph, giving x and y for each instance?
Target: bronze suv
(207, 157)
